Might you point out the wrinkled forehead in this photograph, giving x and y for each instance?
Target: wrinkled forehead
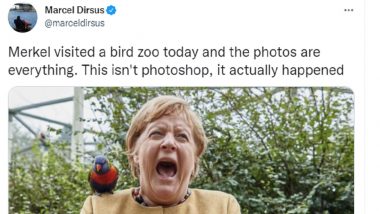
(176, 121)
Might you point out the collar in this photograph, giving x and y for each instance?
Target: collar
(140, 199)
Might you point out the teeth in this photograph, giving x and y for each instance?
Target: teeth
(166, 169)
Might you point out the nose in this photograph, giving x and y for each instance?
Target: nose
(169, 143)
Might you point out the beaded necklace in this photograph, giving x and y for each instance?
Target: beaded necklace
(139, 199)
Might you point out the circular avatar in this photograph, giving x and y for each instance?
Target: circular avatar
(22, 17)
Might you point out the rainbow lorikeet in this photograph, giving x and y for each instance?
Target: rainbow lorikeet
(103, 176)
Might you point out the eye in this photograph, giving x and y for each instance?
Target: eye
(156, 134)
(182, 137)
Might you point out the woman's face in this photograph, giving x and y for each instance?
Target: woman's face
(165, 157)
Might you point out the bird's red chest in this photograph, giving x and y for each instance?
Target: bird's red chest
(106, 178)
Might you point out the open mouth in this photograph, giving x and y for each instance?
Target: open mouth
(166, 169)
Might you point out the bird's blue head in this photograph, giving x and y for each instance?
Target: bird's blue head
(101, 164)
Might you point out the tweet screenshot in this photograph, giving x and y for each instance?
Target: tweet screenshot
(183, 106)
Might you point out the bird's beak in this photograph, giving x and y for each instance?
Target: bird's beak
(98, 167)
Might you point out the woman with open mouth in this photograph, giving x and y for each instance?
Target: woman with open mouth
(165, 142)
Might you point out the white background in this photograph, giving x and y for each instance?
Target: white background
(344, 38)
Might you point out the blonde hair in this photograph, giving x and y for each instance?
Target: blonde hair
(155, 109)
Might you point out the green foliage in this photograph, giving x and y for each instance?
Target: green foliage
(46, 183)
(277, 150)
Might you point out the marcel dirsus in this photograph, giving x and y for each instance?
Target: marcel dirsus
(73, 9)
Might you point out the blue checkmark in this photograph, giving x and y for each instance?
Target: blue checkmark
(111, 10)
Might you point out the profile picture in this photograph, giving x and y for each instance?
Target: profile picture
(22, 17)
